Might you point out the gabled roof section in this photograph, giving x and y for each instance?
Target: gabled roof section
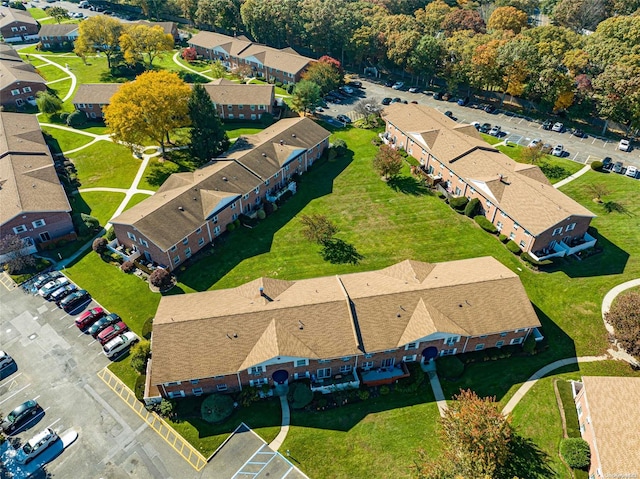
(263, 289)
(58, 29)
(14, 71)
(96, 93)
(7, 53)
(9, 15)
(409, 271)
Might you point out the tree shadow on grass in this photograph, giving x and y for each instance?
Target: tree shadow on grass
(409, 185)
(336, 251)
(527, 460)
(158, 173)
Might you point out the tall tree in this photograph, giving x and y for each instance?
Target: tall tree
(426, 57)
(189, 8)
(387, 162)
(150, 107)
(99, 32)
(48, 103)
(318, 228)
(274, 23)
(617, 90)
(144, 43)
(329, 24)
(224, 14)
(207, 136)
(306, 96)
(430, 18)
(58, 13)
(459, 19)
(624, 316)
(580, 14)
(326, 74)
(508, 18)
(12, 246)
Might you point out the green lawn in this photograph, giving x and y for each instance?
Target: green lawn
(554, 168)
(158, 171)
(278, 90)
(235, 129)
(135, 199)
(537, 416)
(100, 204)
(105, 164)
(61, 89)
(64, 140)
(37, 13)
(51, 72)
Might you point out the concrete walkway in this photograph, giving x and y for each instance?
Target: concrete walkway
(437, 392)
(112, 190)
(540, 373)
(175, 60)
(284, 429)
(569, 179)
(74, 80)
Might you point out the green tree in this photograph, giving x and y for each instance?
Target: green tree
(579, 14)
(274, 23)
(426, 57)
(459, 19)
(430, 18)
(48, 102)
(58, 13)
(150, 107)
(306, 96)
(318, 228)
(329, 24)
(207, 136)
(144, 43)
(507, 18)
(99, 32)
(224, 14)
(189, 8)
(325, 74)
(387, 162)
(140, 354)
(617, 91)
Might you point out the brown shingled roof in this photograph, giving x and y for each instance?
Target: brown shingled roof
(9, 15)
(230, 93)
(96, 93)
(57, 29)
(225, 331)
(14, 71)
(614, 408)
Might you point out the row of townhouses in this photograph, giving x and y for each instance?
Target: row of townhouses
(517, 198)
(20, 81)
(337, 331)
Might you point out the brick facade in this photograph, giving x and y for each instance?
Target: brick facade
(92, 110)
(58, 225)
(18, 93)
(243, 112)
(19, 29)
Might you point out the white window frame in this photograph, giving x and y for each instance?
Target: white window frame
(197, 391)
(570, 227)
(517, 340)
(257, 370)
(185, 241)
(409, 359)
(346, 368)
(367, 365)
(173, 248)
(411, 346)
(557, 231)
(222, 387)
(143, 242)
(131, 236)
(26, 89)
(296, 363)
(200, 241)
(479, 347)
(323, 373)
(19, 229)
(176, 259)
(499, 344)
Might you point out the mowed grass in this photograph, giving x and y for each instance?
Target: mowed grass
(537, 416)
(235, 129)
(65, 140)
(157, 172)
(105, 164)
(37, 13)
(100, 204)
(135, 199)
(51, 72)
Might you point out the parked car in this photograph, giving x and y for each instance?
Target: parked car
(74, 300)
(476, 124)
(389, 83)
(535, 143)
(398, 85)
(386, 101)
(414, 89)
(347, 89)
(485, 128)
(489, 108)
(607, 163)
(51, 286)
(624, 145)
(437, 95)
(111, 332)
(546, 148)
(396, 100)
(495, 131)
(547, 125)
(117, 345)
(557, 126)
(76, 15)
(319, 109)
(579, 133)
(448, 113)
(103, 323)
(20, 415)
(43, 279)
(344, 118)
(5, 360)
(632, 171)
(89, 317)
(558, 150)
(355, 84)
(36, 445)
(617, 167)
(446, 96)
(464, 101)
(61, 293)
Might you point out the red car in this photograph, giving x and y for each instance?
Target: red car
(89, 317)
(111, 332)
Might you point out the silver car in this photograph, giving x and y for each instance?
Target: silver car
(36, 445)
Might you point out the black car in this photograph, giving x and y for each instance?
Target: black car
(389, 83)
(607, 163)
(74, 300)
(579, 133)
(489, 108)
(386, 101)
(102, 323)
(448, 113)
(437, 95)
(355, 84)
(547, 125)
(484, 128)
(20, 415)
(396, 100)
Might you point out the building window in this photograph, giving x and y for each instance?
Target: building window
(187, 252)
(26, 89)
(517, 340)
(499, 344)
(200, 241)
(14, 29)
(301, 363)
(367, 365)
(214, 219)
(216, 230)
(451, 340)
(175, 383)
(557, 231)
(198, 231)
(479, 347)
(489, 204)
(253, 108)
(458, 191)
(411, 346)
(185, 241)
(345, 368)
(324, 361)
(570, 227)
(388, 363)
(516, 226)
(240, 107)
(512, 236)
(196, 391)
(503, 214)
(195, 381)
(499, 225)
(144, 242)
(448, 352)
(256, 370)
(19, 229)
(222, 387)
(246, 197)
(409, 359)
(324, 373)
(131, 236)
(176, 394)
(176, 259)
(257, 190)
(522, 244)
(502, 335)
(173, 248)
(579, 408)
(45, 236)
(229, 107)
(368, 356)
(233, 205)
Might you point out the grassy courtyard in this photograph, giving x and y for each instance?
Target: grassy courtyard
(105, 164)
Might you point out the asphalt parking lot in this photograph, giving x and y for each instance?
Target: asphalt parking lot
(57, 365)
(521, 130)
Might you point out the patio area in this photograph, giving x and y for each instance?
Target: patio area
(335, 382)
(382, 376)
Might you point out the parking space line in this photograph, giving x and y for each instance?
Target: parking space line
(17, 392)
(194, 458)
(53, 423)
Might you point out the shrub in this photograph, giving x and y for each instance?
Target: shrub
(279, 84)
(267, 119)
(513, 247)
(576, 452)
(624, 316)
(147, 327)
(76, 118)
(237, 223)
(139, 387)
(268, 208)
(596, 165)
(458, 203)
(503, 238)
(166, 408)
(529, 345)
(450, 366)
(99, 245)
(231, 227)
(90, 222)
(440, 195)
(384, 390)
(261, 214)
(299, 395)
(63, 116)
(160, 278)
(364, 394)
(140, 353)
(128, 267)
(111, 234)
(485, 224)
(472, 208)
(216, 408)
(248, 396)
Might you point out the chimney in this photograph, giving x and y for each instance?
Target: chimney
(264, 154)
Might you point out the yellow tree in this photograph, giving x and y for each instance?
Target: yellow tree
(150, 107)
(508, 18)
(142, 42)
(99, 33)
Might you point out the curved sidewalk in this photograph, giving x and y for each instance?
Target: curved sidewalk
(611, 295)
(569, 179)
(74, 80)
(284, 428)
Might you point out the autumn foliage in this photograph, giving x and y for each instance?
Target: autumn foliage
(387, 162)
(624, 316)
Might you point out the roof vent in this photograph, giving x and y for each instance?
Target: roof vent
(300, 325)
(282, 142)
(293, 135)
(180, 208)
(224, 178)
(264, 154)
(195, 199)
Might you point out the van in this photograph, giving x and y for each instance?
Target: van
(117, 345)
(83, 4)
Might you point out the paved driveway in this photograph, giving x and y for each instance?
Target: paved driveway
(57, 365)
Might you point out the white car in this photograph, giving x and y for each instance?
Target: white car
(632, 171)
(559, 127)
(495, 131)
(624, 145)
(36, 445)
(120, 343)
(347, 89)
(5, 360)
(397, 85)
(558, 150)
(535, 143)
